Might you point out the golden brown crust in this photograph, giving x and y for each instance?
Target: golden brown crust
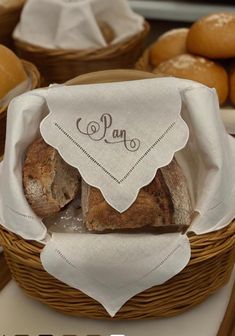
(213, 36)
(200, 70)
(12, 72)
(170, 44)
(157, 205)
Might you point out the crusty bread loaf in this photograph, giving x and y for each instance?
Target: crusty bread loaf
(198, 69)
(163, 204)
(213, 36)
(49, 182)
(172, 43)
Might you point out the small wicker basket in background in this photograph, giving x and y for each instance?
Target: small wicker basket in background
(58, 66)
(34, 75)
(9, 17)
(210, 266)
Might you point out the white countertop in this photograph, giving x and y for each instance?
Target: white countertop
(22, 315)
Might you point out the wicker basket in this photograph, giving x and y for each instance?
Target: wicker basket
(61, 65)
(33, 73)
(210, 266)
(9, 17)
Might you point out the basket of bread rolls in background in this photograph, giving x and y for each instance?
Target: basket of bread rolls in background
(68, 38)
(9, 16)
(204, 53)
(51, 187)
(16, 77)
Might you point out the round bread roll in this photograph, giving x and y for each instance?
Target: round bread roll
(232, 84)
(200, 70)
(12, 72)
(168, 45)
(213, 36)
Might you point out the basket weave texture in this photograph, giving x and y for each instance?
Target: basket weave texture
(60, 65)
(9, 17)
(34, 75)
(210, 266)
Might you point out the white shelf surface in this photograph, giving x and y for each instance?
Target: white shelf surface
(187, 11)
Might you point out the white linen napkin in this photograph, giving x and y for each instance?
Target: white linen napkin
(114, 267)
(73, 24)
(98, 264)
(142, 130)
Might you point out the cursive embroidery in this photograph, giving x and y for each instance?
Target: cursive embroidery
(99, 131)
(99, 164)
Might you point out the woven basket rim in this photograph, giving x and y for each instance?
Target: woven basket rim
(208, 270)
(34, 75)
(14, 7)
(89, 54)
(203, 246)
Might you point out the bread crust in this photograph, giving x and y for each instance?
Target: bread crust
(49, 182)
(12, 72)
(165, 202)
(213, 36)
(200, 70)
(168, 45)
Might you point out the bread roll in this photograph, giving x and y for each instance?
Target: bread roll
(232, 84)
(12, 72)
(164, 204)
(213, 36)
(49, 182)
(200, 70)
(168, 45)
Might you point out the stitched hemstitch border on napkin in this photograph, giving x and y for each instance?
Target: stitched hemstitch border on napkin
(59, 253)
(20, 214)
(101, 166)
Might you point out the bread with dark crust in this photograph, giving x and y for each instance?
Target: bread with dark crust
(170, 44)
(164, 203)
(49, 182)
